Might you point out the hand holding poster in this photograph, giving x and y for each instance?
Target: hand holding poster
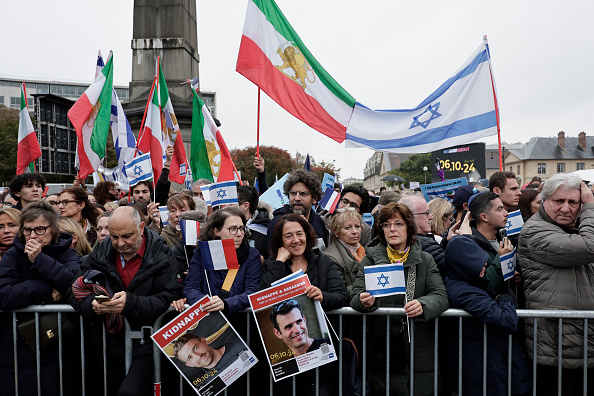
(292, 328)
(205, 348)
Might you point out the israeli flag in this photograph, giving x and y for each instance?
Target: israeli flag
(385, 279)
(223, 193)
(139, 169)
(514, 223)
(463, 109)
(508, 265)
(275, 195)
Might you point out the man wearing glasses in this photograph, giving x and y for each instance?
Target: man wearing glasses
(304, 190)
(353, 198)
(27, 188)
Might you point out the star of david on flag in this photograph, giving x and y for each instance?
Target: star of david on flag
(385, 279)
(432, 109)
(508, 264)
(223, 193)
(139, 169)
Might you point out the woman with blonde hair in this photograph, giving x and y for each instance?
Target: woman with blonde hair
(442, 212)
(9, 226)
(79, 239)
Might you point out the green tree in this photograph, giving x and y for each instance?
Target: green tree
(277, 162)
(9, 129)
(412, 169)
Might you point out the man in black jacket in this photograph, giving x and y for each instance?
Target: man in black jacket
(304, 190)
(137, 266)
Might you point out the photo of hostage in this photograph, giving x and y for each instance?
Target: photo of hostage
(203, 354)
(290, 325)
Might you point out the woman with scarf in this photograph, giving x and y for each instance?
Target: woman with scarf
(9, 226)
(425, 299)
(73, 203)
(229, 289)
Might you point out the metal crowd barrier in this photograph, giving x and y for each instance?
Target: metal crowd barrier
(339, 314)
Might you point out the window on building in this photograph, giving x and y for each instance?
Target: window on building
(69, 90)
(122, 94)
(1, 100)
(45, 161)
(542, 168)
(44, 136)
(57, 90)
(581, 166)
(518, 172)
(80, 90)
(42, 88)
(30, 103)
(15, 102)
(560, 167)
(511, 168)
(492, 154)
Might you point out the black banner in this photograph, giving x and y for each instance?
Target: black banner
(467, 160)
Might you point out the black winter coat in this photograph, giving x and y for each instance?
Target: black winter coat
(156, 284)
(322, 273)
(23, 283)
(434, 248)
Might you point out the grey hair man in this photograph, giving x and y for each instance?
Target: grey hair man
(136, 263)
(555, 250)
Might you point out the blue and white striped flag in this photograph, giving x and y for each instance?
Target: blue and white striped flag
(287, 278)
(139, 169)
(385, 279)
(508, 265)
(461, 110)
(514, 223)
(223, 193)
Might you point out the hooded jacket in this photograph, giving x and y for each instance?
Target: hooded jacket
(558, 272)
(156, 284)
(467, 290)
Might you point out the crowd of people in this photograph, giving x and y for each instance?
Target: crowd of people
(109, 255)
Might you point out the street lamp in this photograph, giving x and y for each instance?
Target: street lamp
(425, 169)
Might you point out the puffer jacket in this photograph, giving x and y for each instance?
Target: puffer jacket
(431, 293)
(558, 272)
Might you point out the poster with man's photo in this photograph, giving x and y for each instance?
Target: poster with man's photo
(205, 348)
(292, 328)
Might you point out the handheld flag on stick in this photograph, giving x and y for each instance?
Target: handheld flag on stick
(330, 200)
(190, 231)
(164, 212)
(508, 265)
(307, 164)
(514, 224)
(139, 169)
(28, 149)
(385, 279)
(224, 193)
(218, 255)
(209, 157)
(90, 116)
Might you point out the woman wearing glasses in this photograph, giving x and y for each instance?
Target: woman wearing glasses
(425, 299)
(73, 203)
(39, 268)
(228, 288)
(291, 250)
(9, 226)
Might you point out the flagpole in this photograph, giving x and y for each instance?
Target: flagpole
(496, 105)
(258, 127)
(32, 163)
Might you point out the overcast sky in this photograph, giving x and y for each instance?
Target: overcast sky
(386, 53)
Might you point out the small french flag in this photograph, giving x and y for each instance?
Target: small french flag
(190, 231)
(218, 255)
(330, 200)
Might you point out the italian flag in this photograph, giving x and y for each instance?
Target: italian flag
(274, 58)
(28, 148)
(209, 157)
(161, 129)
(90, 117)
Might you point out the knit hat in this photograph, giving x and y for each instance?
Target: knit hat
(465, 258)
(387, 197)
(463, 194)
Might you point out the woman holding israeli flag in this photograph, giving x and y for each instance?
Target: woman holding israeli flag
(418, 288)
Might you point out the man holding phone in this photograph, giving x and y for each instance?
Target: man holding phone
(136, 265)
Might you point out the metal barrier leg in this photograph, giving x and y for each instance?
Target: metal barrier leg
(509, 365)
(560, 358)
(364, 324)
(484, 358)
(340, 361)
(436, 356)
(388, 355)
(82, 356)
(15, 353)
(585, 391)
(60, 354)
(412, 357)
(460, 357)
(105, 359)
(534, 355)
(37, 354)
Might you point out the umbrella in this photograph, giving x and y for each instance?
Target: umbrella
(392, 178)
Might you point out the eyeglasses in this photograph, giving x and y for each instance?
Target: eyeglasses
(302, 194)
(388, 226)
(349, 203)
(38, 230)
(234, 229)
(427, 213)
(65, 202)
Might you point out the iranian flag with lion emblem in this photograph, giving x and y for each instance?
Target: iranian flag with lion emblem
(274, 58)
